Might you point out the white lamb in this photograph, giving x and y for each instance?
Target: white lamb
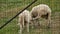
(24, 19)
(41, 11)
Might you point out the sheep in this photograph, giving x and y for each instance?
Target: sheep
(41, 11)
(24, 19)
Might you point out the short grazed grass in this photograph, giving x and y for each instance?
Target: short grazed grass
(9, 8)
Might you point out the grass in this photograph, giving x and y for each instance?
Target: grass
(9, 8)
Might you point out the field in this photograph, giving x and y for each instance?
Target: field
(9, 8)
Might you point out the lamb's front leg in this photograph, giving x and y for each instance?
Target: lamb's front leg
(32, 24)
(27, 26)
(49, 21)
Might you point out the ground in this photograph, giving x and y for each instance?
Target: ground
(9, 8)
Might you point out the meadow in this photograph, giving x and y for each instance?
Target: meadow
(9, 8)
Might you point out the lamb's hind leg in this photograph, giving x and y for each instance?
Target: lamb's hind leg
(21, 25)
(21, 29)
(27, 26)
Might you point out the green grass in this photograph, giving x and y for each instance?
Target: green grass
(9, 8)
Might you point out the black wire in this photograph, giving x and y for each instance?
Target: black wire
(17, 14)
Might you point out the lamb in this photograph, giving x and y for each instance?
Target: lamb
(24, 19)
(41, 11)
